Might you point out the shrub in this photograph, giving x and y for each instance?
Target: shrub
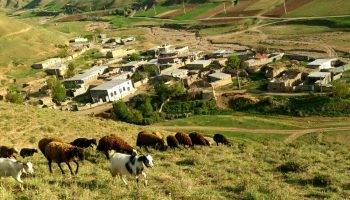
(137, 76)
(134, 57)
(321, 180)
(233, 63)
(58, 91)
(341, 89)
(14, 95)
(290, 167)
(71, 70)
(241, 103)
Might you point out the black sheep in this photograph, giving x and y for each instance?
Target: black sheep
(7, 152)
(84, 142)
(219, 138)
(27, 152)
(172, 141)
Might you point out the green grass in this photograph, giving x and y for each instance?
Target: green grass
(246, 170)
(198, 10)
(159, 10)
(24, 72)
(322, 8)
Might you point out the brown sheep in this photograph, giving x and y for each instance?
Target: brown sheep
(183, 139)
(172, 141)
(219, 138)
(113, 142)
(7, 152)
(199, 139)
(43, 142)
(145, 139)
(59, 152)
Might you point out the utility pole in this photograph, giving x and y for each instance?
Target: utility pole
(225, 8)
(183, 6)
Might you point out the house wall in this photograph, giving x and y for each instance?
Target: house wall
(112, 94)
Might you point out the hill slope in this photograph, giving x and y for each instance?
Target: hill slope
(247, 169)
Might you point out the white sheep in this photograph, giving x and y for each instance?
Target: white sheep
(14, 168)
(131, 165)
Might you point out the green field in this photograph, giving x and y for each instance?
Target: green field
(246, 170)
(159, 9)
(196, 11)
(322, 8)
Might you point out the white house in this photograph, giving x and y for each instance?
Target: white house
(322, 63)
(112, 90)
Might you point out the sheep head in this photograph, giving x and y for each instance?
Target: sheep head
(28, 168)
(146, 160)
(93, 142)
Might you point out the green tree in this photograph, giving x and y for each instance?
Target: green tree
(134, 57)
(137, 76)
(58, 91)
(14, 95)
(121, 110)
(71, 70)
(233, 63)
(341, 89)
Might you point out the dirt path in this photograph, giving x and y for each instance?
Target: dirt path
(17, 32)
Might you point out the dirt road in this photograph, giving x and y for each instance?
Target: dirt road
(17, 32)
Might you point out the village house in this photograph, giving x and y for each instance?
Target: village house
(132, 66)
(320, 64)
(121, 76)
(52, 62)
(79, 40)
(78, 84)
(198, 64)
(221, 53)
(271, 71)
(112, 90)
(319, 78)
(285, 81)
(58, 70)
(254, 64)
(219, 76)
(176, 73)
(117, 53)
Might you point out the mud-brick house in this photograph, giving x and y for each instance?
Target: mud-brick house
(319, 78)
(198, 64)
(112, 90)
(285, 81)
(52, 62)
(58, 70)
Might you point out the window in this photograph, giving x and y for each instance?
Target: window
(115, 92)
(111, 94)
(123, 88)
(120, 90)
(128, 89)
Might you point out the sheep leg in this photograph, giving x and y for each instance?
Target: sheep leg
(124, 180)
(76, 162)
(217, 144)
(70, 168)
(59, 165)
(18, 178)
(145, 178)
(106, 154)
(50, 166)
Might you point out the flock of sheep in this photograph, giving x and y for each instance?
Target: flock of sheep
(124, 159)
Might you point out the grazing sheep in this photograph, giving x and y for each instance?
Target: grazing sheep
(11, 167)
(84, 142)
(158, 134)
(26, 152)
(7, 152)
(199, 139)
(131, 165)
(43, 142)
(219, 138)
(183, 139)
(145, 139)
(61, 152)
(113, 142)
(172, 141)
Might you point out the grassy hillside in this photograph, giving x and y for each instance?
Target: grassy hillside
(246, 170)
(24, 43)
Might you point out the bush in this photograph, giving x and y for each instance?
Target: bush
(14, 95)
(233, 63)
(321, 180)
(134, 57)
(137, 76)
(341, 89)
(290, 167)
(241, 103)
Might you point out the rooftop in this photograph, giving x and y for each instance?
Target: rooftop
(110, 84)
(220, 75)
(321, 61)
(200, 62)
(319, 74)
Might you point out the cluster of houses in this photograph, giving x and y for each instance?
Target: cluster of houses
(111, 79)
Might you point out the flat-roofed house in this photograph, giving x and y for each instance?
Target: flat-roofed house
(132, 66)
(285, 81)
(319, 78)
(47, 63)
(58, 70)
(320, 64)
(176, 73)
(112, 90)
(198, 64)
(219, 76)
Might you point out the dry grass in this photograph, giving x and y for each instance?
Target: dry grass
(245, 170)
